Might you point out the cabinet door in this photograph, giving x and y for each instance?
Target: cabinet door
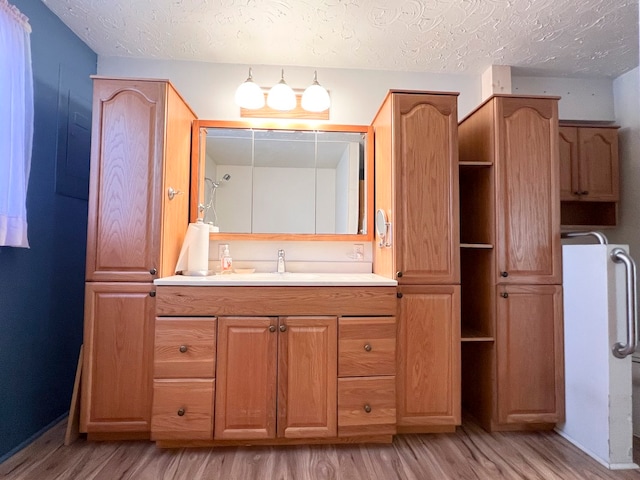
(307, 377)
(569, 181)
(123, 236)
(529, 344)
(527, 192)
(429, 356)
(599, 176)
(426, 224)
(118, 358)
(246, 378)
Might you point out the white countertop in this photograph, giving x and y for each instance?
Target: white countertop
(260, 279)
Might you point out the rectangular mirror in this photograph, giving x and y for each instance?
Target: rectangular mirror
(299, 182)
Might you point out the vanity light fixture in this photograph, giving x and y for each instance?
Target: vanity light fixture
(281, 96)
(249, 94)
(315, 98)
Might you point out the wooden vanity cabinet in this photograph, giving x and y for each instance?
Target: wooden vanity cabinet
(589, 175)
(293, 365)
(277, 378)
(512, 349)
(416, 185)
(140, 149)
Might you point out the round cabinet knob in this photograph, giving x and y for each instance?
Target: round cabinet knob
(272, 328)
(399, 274)
(367, 408)
(181, 412)
(399, 294)
(152, 293)
(153, 271)
(367, 347)
(584, 192)
(283, 328)
(504, 274)
(504, 295)
(183, 349)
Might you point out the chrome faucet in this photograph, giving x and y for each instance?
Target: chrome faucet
(281, 266)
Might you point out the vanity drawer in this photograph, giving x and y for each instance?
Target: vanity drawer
(182, 409)
(184, 347)
(366, 405)
(366, 346)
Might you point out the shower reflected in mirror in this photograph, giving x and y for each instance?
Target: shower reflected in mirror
(209, 206)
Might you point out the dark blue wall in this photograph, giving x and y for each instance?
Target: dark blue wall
(42, 288)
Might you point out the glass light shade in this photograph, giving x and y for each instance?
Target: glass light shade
(315, 98)
(281, 96)
(249, 95)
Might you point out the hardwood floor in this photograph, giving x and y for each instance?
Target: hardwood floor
(469, 453)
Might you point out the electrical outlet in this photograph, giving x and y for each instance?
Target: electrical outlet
(358, 251)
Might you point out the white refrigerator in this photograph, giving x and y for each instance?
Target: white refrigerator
(599, 285)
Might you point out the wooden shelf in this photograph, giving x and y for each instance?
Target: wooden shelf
(470, 335)
(578, 215)
(482, 246)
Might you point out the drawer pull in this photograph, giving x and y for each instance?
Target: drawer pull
(272, 328)
(367, 408)
(367, 347)
(181, 412)
(504, 295)
(183, 349)
(504, 274)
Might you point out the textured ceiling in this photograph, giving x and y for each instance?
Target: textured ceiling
(542, 37)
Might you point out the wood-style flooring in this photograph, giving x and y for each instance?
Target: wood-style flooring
(469, 453)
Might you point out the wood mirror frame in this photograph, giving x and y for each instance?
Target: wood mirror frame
(198, 144)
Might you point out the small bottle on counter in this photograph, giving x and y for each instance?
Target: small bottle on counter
(225, 261)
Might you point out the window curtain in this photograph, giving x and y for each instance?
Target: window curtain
(16, 124)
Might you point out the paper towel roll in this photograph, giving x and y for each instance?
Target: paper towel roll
(194, 255)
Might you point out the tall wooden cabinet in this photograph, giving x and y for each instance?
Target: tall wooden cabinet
(512, 360)
(416, 185)
(589, 174)
(141, 137)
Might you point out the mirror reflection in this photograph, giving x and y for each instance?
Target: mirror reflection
(269, 181)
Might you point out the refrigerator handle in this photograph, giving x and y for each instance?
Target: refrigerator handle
(618, 255)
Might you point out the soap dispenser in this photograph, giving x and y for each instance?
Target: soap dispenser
(225, 261)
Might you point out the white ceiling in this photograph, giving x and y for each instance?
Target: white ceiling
(539, 37)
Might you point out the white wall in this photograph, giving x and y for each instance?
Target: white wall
(626, 90)
(581, 98)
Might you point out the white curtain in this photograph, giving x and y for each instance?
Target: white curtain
(16, 124)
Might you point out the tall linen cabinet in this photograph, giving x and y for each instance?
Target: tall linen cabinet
(141, 138)
(416, 185)
(512, 344)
